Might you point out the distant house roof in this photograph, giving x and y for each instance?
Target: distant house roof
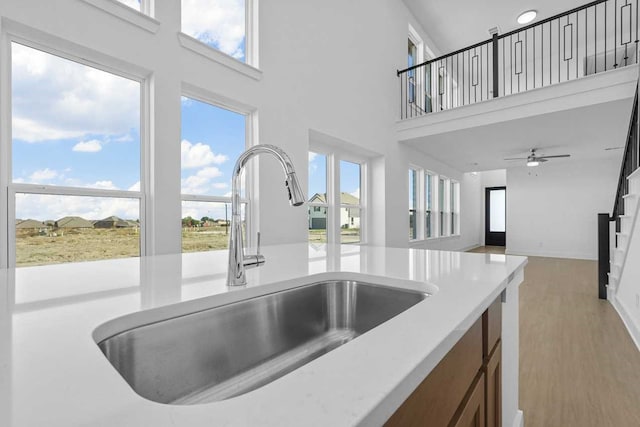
(112, 222)
(73, 222)
(29, 223)
(345, 198)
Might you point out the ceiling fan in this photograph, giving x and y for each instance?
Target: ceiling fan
(534, 160)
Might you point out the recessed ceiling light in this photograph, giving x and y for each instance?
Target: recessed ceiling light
(526, 17)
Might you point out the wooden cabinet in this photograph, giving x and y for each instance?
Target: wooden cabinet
(464, 389)
(472, 411)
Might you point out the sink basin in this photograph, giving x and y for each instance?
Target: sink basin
(232, 349)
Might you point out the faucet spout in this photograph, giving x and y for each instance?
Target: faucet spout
(237, 259)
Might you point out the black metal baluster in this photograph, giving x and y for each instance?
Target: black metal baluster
(605, 36)
(615, 34)
(511, 50)
(558, 50)
(595, 39)
(577, 40)
(550, 54)
(480, 62)
(636, 51)
(542, 56)
(526, 63)
(504, 71)
(534, 57)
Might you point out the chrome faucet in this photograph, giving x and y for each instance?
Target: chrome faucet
(238, 261)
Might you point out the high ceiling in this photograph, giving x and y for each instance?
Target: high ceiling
(584, 133)
(455, 24)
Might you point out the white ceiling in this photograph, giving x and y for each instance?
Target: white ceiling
(584, 133)
(452, 25)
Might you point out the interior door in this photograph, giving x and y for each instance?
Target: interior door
(495, 216)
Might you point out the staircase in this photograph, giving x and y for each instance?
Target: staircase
(619, 269)
(623, 237)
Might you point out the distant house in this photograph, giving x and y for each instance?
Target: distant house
(112, 222)
(32, 224)
(73, 222)
(349, 217)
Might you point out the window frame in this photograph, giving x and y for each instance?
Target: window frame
(432, 209)
(250, 180)
(35, 40)
(251, 31)
(334, 156)
(328, 194)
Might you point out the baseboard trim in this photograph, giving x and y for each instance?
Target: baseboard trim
(518, 420)
(631, 326)
(549, 254)
(469, 248)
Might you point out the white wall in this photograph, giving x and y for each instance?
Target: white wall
(552, 209)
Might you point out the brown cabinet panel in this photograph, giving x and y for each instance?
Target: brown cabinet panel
(435, 401)
(491, 326)
(493, 374)
(472, 413)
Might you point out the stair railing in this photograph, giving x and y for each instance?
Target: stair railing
(630, 162)
(595, 37)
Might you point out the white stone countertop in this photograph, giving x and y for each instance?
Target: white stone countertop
(52, 372)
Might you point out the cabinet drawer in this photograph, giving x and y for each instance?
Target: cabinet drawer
(435, 401)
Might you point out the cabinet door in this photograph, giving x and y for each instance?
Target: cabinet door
(493, 389)
(472, 414)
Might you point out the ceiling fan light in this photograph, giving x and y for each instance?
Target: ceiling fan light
(532, 163)
(527, 16)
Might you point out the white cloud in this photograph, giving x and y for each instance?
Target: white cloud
(200, 183)
(356, 193)
(220, 185)
(55, 98)
(312, 156)
(216, 22)
(135, 187)
(92, 146)
(52, 207)
(103, 185)
(43, 175)
(198, 155)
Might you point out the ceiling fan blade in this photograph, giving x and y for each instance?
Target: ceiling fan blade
(516, 158)
(554, 157)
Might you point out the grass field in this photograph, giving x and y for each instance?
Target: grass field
(90, 244)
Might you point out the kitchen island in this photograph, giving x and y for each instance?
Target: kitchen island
(52, 372)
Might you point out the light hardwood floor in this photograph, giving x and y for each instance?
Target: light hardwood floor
(578, 364)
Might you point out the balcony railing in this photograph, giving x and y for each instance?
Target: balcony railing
(596, 37)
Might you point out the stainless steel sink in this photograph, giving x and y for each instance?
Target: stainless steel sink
(230, 350)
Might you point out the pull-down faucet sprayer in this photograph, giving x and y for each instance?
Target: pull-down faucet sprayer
(237, 259)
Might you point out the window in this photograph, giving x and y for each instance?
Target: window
(336, 206)
(212, 139)
(454, 203)
(350, 206)
(441, 207)
(428, 183)
(318, 201)
(413, 203)
(412, 60)
(75, 190)
(220, 24)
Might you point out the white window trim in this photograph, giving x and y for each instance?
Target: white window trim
(141, 18)
(250, 170)
(334, 155)
(10, 32)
